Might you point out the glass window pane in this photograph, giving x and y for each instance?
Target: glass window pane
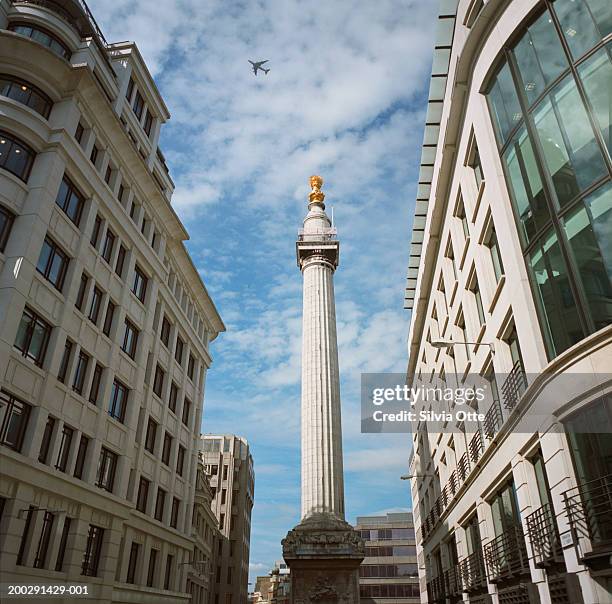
(596, 75)
(600, 10)
(540, 57)
(38, 341)
(588, 231)
(577, 25)
(571, 153)
(22, 332)
(44, 256)
(504, 104)
(525, 185)
(559, 317)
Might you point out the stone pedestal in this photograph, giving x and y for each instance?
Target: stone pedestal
(323, 553)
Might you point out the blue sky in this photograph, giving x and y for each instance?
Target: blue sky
(345, 98)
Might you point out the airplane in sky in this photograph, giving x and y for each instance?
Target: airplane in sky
(257, 65)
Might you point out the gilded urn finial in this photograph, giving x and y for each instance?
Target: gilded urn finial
(316, 182)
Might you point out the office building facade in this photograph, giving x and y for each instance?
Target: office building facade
(105, 323)
(509, 280)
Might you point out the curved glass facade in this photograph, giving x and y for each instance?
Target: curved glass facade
(551, 106)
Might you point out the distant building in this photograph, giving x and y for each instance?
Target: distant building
(229, 465)
(389, 571)
(275, 587)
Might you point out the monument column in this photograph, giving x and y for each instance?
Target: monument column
(323, 551)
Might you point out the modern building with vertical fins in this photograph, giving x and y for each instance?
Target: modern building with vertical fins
(105, 324)
(509, 279)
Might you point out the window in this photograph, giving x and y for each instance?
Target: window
(15, 157)
(118, 400)
(148, 123)
(81, 454)
(70, 200)
(94, 306)
(151, 435)
(94, 391)
(82, 290)
(167, 449)
(130, 89)
(133, 561)
(93, 158)
(191, 367)
(134, 211)
(180, 460)
(139, 287)
(120, 261)
(478, 299)
(6, 223)
(172, 400)
(59, 564)
(474, 163)
(178, 351)
(143, 495)
(138, 105)
(152, 565)
(25, 535)
(42, 36)
(46, 440)
(165, 331)
(23, 92)
(107, 465)
(109, 244)
(461, 215)
(158, 382)
(186, 411)
(63, 369)
(64, 449)
(174, 514)
(108, 318)
(81, 371)
(32, 336)
(78, 133)
(491, 243)
(160, 501)
(52, 263)
(168, 576)
(40, 559)
(93, 549)
(130, 339)
(95, 233)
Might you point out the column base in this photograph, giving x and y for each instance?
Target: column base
(323, 553)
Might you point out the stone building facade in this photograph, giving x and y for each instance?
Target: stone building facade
(105, 323)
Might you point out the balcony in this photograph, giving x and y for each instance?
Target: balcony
(476, 447)
(325, 234)
(506, 556)
(589, 512)
(463, 467)
(472, 572)
(514, 386)
(494, 420)
(452, 581)
(544, 536)
(435, 590)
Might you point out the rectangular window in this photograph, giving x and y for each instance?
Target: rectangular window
(52, 263)
(93, 158)
(178, 351)
(120, 261)
(14, 415)
(95, 233)
(33, 336)
(81, 454)
(129, 90)
(169, 567)
(478, 300)
(167, 449)
(80, 373)
(173, 398)
(174, 514)
(63, 368)
(108, 318)
(165, 331)
(191, 367)
(133, 561)
(80, 299)
(148, 123)
(461, 215)
(93, 549)
(158, 382)
(107, 465)
(143, 495)
(108, 174)
(139, 288)
(64, 449)
(59, 563)
(152, 564)
(121, 193)
(118, 400)
(475, 164)
(109, 245)
(180, 460)
(78, 133)
(130, 339)
(138, 105)
(94, 305)
(160, 502)
(46, 440)
(186, 411)
(151, 436)
(70, 200)
(24, 536)
(498, 267)
(134, 211)
(40, 560)
(6, 223)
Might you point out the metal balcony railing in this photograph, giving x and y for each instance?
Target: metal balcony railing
(463, 467)
(452, 581)
(494, 420)
(435, 590)
(506, 555)
(328, 234)
(589, 511)
(544, 536)
(472, 572)
(476, 447)
(514, 385)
